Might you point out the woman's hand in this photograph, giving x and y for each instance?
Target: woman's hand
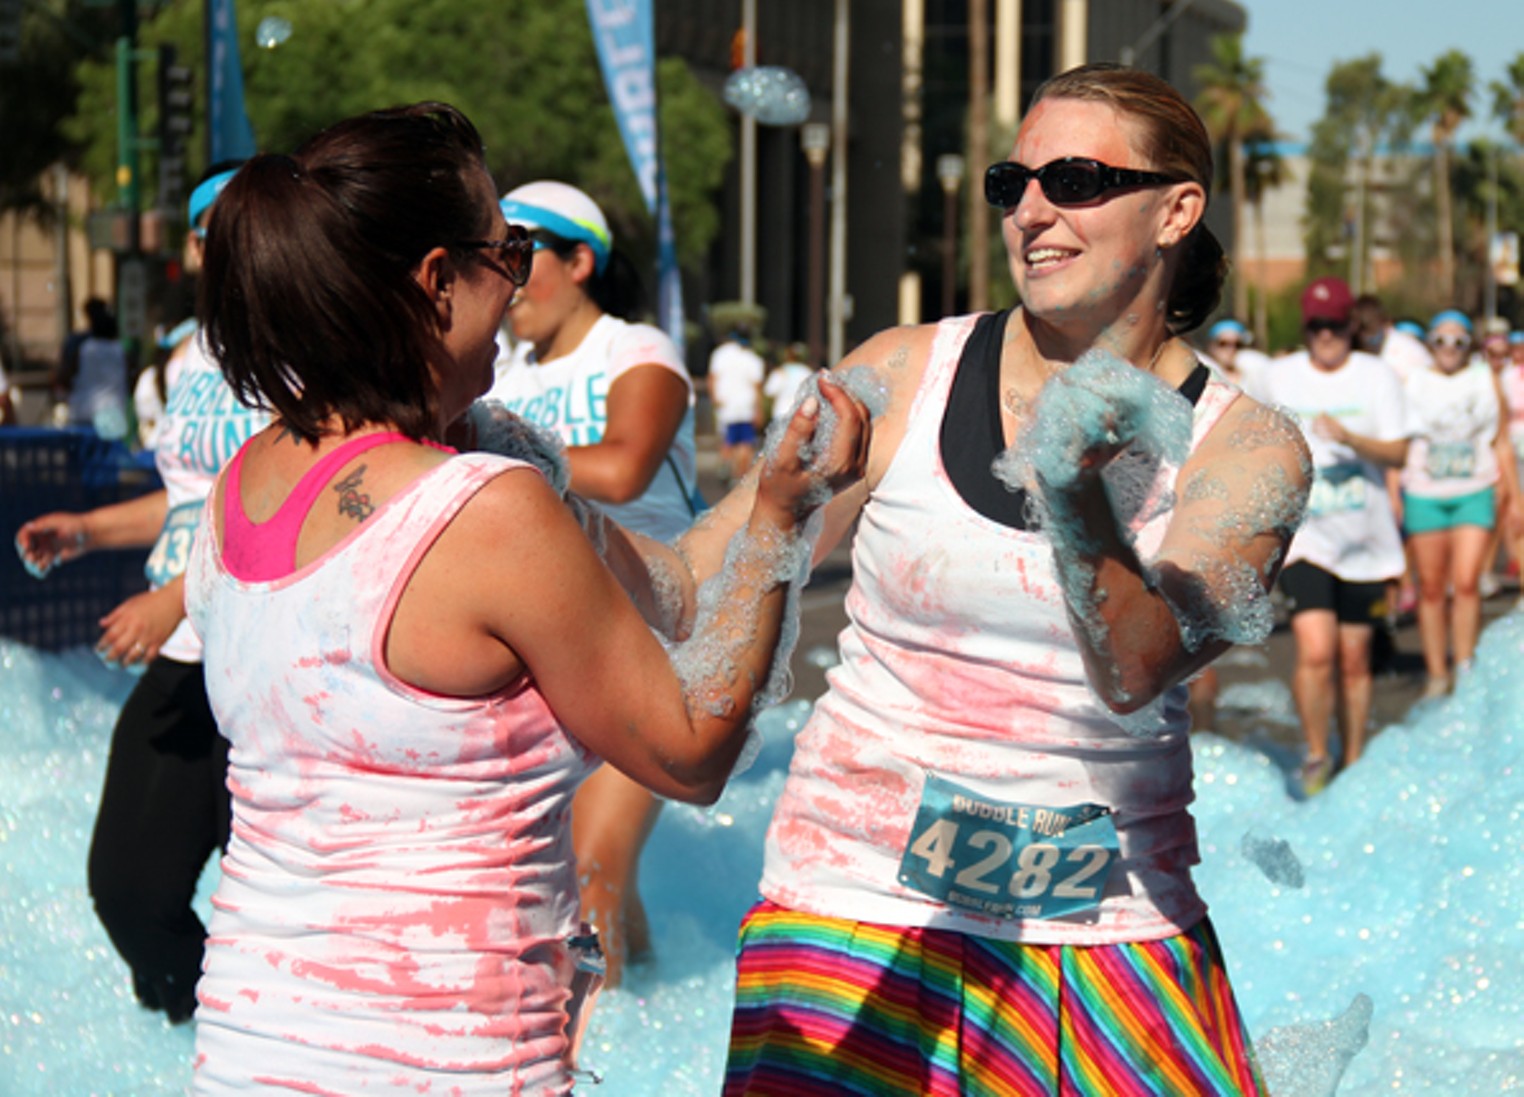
(135, 630)
(53, 539)
(823, 450)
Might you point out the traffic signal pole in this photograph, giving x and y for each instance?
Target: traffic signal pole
(129, 194)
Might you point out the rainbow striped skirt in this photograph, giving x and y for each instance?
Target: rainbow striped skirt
(827, 1007)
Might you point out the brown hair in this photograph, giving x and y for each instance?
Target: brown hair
(1174, 141)
(307, 295)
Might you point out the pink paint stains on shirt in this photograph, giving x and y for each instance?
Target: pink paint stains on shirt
(960, 660)
(399, 879)
(297, 1085)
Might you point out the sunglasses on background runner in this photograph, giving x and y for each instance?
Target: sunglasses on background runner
(1072, 181)
(515, 250)
(1451, 341)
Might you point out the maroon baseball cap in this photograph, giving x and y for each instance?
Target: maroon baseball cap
(1327, 299)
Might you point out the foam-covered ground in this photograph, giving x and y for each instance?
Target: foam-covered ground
(1384, 919)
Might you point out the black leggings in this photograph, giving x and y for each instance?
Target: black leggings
(164, 810)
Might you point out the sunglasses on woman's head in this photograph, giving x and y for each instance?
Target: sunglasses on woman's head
(515, 250)
(1451, 341)
(1072, 181)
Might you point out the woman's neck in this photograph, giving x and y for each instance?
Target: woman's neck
(1144, 344)
(569, 333)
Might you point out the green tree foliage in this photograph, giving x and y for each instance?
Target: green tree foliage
(39, 90)
(1476, 170)
(1444, 101)
(525, 71)
(1365, 111)
(1508, 99)
(1232, 104)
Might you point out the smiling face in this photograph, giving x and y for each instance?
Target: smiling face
(1092, 267)
(1451, 345)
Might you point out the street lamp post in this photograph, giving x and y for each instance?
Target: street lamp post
(950, 175)
(815, 137)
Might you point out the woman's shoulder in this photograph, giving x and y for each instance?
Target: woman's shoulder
(630, 343)
(1249, 424)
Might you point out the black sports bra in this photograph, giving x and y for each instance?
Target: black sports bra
(972, 437)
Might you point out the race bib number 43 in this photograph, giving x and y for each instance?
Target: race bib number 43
(1007, 860)
(171, 552)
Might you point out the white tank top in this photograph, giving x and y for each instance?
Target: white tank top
(961, 702)
(400, 882)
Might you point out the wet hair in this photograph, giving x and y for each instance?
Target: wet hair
(308, 298)
(1174, 141)
(617, 291)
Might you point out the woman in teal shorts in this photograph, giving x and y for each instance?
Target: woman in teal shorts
(1458, 457)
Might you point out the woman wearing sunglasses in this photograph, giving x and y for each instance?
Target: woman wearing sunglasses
(617, 394)
(1458, 458)
(977, 877)
(418, 655)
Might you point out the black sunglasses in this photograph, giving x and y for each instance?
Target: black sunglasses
(516, 251)
(1072, 181)
(1339, 327)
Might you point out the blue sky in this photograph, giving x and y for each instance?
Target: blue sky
(1300, 40)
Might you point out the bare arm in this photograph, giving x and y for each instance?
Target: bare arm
(1142, 629)
(1392, 453)
(645, 408)
(896, 358)
(61, 536)
(134, 631)
(555, 611)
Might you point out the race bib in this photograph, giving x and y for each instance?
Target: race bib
(1007, 860)
(1336, 490)
(171, 552)
(1450, 460)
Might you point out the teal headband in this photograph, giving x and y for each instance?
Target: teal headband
(1451, 316)
(204, 195)
(539, 217)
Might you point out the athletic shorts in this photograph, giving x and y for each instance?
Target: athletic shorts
(1307, 586)
(740, 434)
(1424, 515)
(827, 1007)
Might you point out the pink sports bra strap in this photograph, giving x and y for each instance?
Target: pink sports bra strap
(259, 552)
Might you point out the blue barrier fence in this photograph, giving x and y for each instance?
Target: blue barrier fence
(73, 470)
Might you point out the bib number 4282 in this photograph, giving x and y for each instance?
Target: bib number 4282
(1005, 859)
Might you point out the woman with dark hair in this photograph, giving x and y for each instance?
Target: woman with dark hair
(977, 877)
(417, 655)
(617, 394)
(164, 799)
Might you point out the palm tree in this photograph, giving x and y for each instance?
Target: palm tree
(1508, 99)
(1232, 104)
(1444, 101)
(1264, 170)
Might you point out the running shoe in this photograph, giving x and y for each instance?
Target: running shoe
(1488, 585)
(1313, 775)
(1435, 688)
